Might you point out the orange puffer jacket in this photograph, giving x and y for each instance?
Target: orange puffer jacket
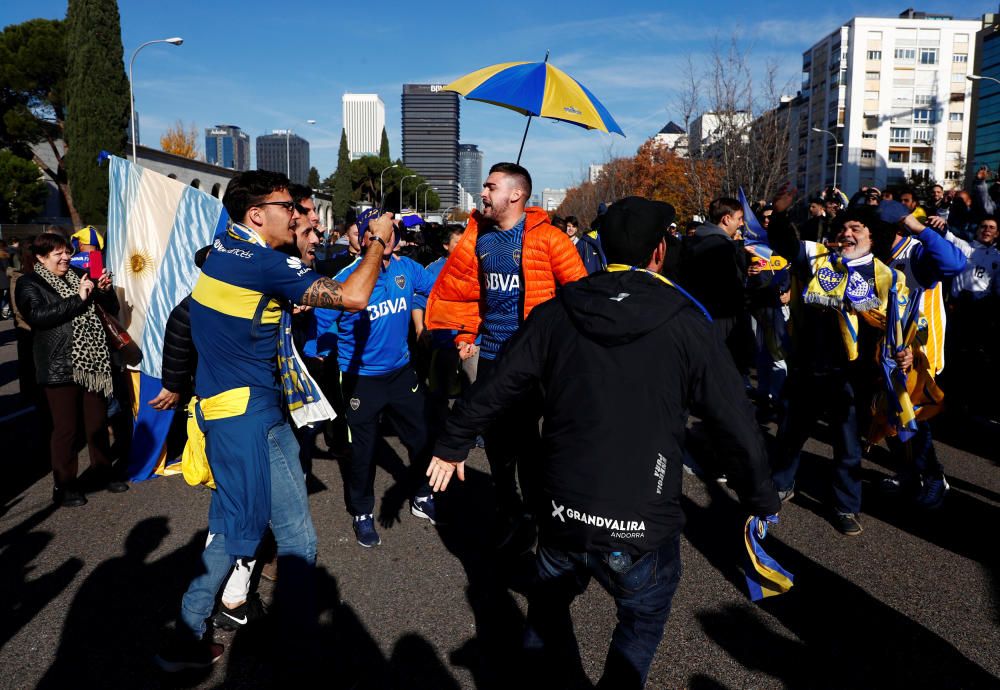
(548, 259)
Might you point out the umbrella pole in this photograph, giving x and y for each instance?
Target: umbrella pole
(523, 139)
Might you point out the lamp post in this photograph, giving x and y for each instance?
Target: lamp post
(979, 77)
(381, 188)
(429, 188)
(404, 179)
(176, 41)
(288, 150)
(836, 152)
(416, 204)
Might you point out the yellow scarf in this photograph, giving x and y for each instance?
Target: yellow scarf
(847, 290)
(194, 460)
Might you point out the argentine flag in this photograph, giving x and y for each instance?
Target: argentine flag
(155, 225)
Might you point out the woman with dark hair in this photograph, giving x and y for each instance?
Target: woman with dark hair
(72, 362)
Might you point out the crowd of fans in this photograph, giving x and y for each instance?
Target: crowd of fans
(791, 309)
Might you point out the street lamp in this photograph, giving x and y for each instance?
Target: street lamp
(416, 205)
(288, 150)
(836, 153)
(405, 177)
(978, 77)
(176, 41)
(429, 188)
(381, 189)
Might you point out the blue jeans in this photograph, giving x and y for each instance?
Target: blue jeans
(643, 591)
(293, 530)
(808, 398)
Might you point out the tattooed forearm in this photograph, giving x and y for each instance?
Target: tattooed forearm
(324, 293)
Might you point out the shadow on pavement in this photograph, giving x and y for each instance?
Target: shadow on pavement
(849, 639)
(24, 598)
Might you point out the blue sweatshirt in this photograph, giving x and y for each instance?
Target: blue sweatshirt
(373, 341)
(932, 259)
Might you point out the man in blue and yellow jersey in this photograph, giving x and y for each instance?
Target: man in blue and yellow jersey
(374, 358)
(237, 311)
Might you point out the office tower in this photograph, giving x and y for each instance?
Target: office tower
(430, 137)
(364, 120)
(227, 146)
(284, 151)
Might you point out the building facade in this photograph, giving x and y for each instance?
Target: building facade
(709, 128)
(984, 144)
(890, 98)
(673, 137)
(470, 168)
(227, 146)
(430, 138)
(552, 198)
(364, 122)
(284, 151)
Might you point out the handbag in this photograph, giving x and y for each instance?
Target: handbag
(118, 338)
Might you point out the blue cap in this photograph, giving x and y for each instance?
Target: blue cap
(366, 217)
(892, 212)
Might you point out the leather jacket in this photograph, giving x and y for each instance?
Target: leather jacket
(51, 319)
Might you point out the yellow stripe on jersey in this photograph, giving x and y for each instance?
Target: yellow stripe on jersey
(232, 300)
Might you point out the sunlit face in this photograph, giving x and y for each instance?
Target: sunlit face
(572, 229)
(57, 261)
(453, 240)
(306, 236)
(856, 238)
(937, 193)
(732, 222)
(275, 218)
(987, 232)
(352, 238)
(499, 192)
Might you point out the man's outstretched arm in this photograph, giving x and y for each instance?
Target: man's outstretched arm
(353, 293)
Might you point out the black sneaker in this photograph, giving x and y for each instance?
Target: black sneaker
(68, 497)
(233, 619)
(185, 654)
(849, 524)
(103, 479)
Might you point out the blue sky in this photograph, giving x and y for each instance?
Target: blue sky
(267, 66)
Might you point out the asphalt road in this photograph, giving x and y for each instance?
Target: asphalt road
(85, 594)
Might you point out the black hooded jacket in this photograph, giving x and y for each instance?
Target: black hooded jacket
(622, 358)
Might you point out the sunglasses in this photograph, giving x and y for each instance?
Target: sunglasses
(287, 205)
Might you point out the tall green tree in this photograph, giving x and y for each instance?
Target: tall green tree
(342, 179)
(33, 97)
(313, 179)
(383, 150)
(22, 191)
(98, 94)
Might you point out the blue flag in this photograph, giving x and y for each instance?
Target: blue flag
(765, 576)
(754, 235)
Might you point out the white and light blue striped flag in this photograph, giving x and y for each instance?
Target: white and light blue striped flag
(155, 226)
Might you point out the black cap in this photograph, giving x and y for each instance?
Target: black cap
(632, 228)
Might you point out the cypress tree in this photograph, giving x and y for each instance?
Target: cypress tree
(342, 179)
(98, 101)
(383, 151)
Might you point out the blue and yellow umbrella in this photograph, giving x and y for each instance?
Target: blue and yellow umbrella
(536, 89)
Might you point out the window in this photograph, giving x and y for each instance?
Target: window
(897, 157)
(954, 136)
(873, 76)
(923, 135)
(905, 54)
(956, 117)
(952, 174)
(869, 135)
(922, 99)
(874, 54)
(871, 95)
(959, 57)
(958, 77)
(870, 155)
(923, 116)
(962, 38)
(928, 56)
(899, 135)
